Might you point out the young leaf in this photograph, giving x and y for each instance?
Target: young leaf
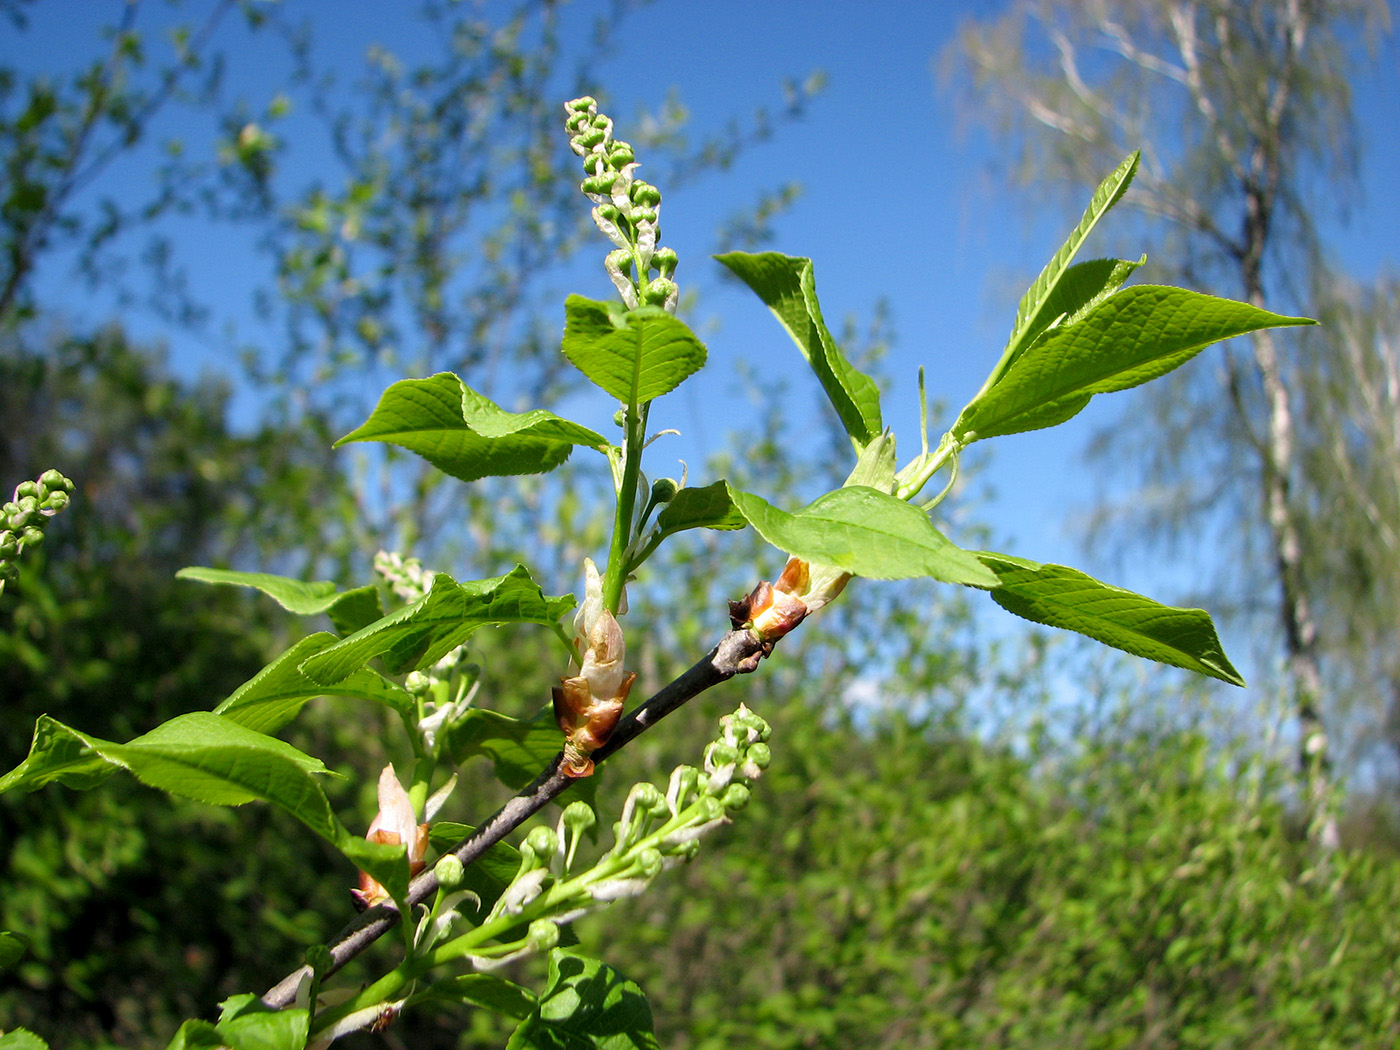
(867, 533)
(442, 619)
(1038, 307)
(586, 1005)
(1062, 597)
(277, 693)
(467, 435)
(1128, 339)
(348, 610)
(635, 355)
(704, 508)
(296, 596)
(246, 1023)
(194, 1034)
(355, 609)
(210, 759)
(788, 286)
(12, 948)
(1083, 286)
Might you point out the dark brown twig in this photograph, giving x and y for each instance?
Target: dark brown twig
(737, 653)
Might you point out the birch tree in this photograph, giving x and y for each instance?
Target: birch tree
(1243, 111)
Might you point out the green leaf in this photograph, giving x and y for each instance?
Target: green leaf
(1062, 597)
(422, 633)
(197, 1035)
(865, 532)
(58, 754)
(704, 508)
(788, 286)
(1040, 306)
(21, 1039)
(635, 355)
(12, 949)
(487, 991)
(1083, 286)
(587, 1005)
(245, 1023)
(297, 596)
(1128, 339)
(875, 466)
(211, 759)
(355, 609)
(277, 693)
(487, 876)
(467, 435)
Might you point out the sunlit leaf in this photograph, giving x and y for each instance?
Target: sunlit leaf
(277, 693)
(586, 1005)
(1128, 339)
(425, 631)
(635, 355)
(465, 434)
(1058, 596)
(867, 533)
(788, 287)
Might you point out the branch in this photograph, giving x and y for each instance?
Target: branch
(738, 652)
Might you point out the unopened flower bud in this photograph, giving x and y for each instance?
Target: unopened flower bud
(759, 755)
(543, 935)
(578, 817)
(665, 259)
(645, 194)
(542, 842)
(660, 291)
(735, 797)
(649, 861)
(449, 872)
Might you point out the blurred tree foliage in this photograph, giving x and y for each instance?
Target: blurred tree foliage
(102, 881)
(897, 884)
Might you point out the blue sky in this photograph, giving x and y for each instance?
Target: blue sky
(897, 204)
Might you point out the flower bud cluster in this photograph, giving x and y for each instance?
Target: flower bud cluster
(626, 209)
(23, 518)
(655, 831)
(440, 704)
(406, 577)
(588, 705)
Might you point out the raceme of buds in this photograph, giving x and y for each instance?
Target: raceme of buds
(772, 610)
(626, 209)
(23, 518)
(588, 705)
(395, 824)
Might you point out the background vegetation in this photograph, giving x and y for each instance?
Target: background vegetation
(947, 851)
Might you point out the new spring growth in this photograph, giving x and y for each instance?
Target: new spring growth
(771, 610)
(625, 209)
(395, 824)
(23, 518)
(588, 705)
(655, 831)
